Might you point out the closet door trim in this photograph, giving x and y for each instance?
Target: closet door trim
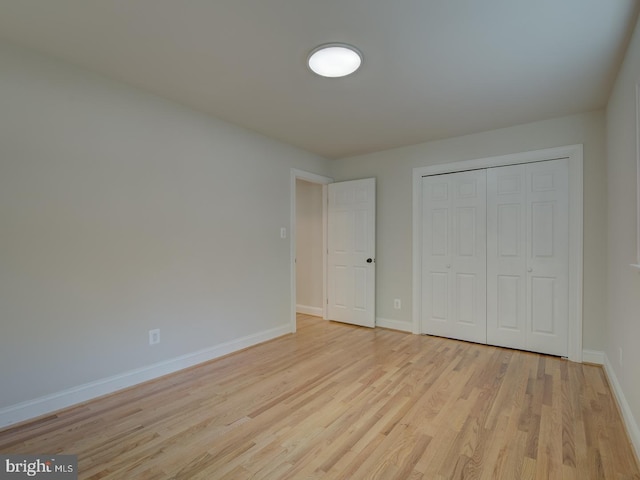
(574, 155)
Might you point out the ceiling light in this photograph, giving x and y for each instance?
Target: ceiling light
(334, 60)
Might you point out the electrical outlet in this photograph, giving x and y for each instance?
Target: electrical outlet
(397, 304)
(154, 336)
(283, 232)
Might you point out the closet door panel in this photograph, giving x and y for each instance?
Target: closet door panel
(527, 256)
(454, 256)
(506, 256)
(548, 256)
(436, 254)
(469, 256)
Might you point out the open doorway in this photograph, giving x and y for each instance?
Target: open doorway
(309, 256)
(308, 244)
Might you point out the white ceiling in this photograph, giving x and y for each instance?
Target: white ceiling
(432, 68)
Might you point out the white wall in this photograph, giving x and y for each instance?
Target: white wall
(309, 247)
(121, 212)
(623, 314)
(393, 170)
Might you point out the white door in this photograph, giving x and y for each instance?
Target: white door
(507, 256)
(548, 257)
(528, 256)
(351, 272)
(454, 255)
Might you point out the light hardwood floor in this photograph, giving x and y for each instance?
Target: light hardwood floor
(340, 402)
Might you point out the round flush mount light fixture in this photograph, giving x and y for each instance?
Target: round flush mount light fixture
(334, 60)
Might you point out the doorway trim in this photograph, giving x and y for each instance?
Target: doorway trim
(571, 152)
(320, 180)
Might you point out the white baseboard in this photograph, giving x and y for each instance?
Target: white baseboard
(593, 356)
(305, 309)
(394, 324)
(630, 422)
(50, 403)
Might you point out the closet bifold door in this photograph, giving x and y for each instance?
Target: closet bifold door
(454, 255)
(528, 256)
(506, 257)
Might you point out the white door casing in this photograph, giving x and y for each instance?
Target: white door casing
(351, 252)
(454, 256)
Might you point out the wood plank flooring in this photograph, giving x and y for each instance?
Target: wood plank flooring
(340, 402)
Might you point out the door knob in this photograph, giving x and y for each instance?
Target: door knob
(369, 260)
(529, 269)
(448, 265)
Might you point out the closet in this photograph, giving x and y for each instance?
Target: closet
(495, 256)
